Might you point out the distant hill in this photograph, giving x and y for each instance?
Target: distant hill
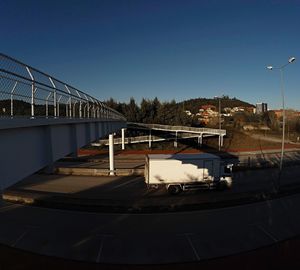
(194, 104)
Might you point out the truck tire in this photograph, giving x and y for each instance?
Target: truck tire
(174, 189)
(153, 186)
(222, 185)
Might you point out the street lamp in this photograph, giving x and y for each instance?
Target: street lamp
(219, 121)
(281, 68)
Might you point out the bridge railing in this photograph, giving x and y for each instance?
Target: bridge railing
(180, 128)
(28, 92)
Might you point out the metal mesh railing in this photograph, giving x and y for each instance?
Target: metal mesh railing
(28, 92)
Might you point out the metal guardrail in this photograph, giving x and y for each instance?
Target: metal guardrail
(26, 91)
(144, 138)
(128, 140)
(221, 132)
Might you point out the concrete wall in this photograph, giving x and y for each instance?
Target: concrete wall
(27, 146)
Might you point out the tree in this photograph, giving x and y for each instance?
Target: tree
(269, 119)
(132, 112)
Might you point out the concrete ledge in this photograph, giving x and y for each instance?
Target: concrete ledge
(97, 172)
(26, 199)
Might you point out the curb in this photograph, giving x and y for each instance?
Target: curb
(129, 206)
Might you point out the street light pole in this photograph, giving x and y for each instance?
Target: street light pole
(283, 118)
(281, 69)
(219, 121)
(219, 114)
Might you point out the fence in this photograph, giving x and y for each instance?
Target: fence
(28, 92)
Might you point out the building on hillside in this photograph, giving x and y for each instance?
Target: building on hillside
(208, 107)
(188, 113)
(237, 109)
(278, 113)
(250, 109)
(206, 113)
(288, 113)
(227, 110)
(261, 107)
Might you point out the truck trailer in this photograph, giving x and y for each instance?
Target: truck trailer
(180, 172)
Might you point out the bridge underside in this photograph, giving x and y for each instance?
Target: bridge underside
(28, 145)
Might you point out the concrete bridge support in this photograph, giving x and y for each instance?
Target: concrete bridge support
(221, 139)
(200, 140)
(111, 155)
(175, 141)
(150, 139)
(123, 138)
(28, 145)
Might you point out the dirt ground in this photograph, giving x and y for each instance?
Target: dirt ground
(234, 142)
(241, 141)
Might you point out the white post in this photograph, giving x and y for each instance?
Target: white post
(80, 104)
(58, 100)
(175, 142)
(80, 109)
(123, 138)
(47, 110)
(150, 139)
(54, 97)
(69, 101)
(222, 140)
(111, 155)
(86, 105)
(74, 108)
(200, 139)
(32, 92)
(54, 103)
(12, 100)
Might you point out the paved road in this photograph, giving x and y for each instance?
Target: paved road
(271, 139)
(149, 238)
(134, 187)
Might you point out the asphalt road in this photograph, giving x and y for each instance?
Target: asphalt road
(149, 238)
(134, 187)
(157, 238)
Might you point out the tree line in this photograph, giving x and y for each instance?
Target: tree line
(152, 111)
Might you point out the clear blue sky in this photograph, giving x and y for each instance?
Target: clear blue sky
(167, 48)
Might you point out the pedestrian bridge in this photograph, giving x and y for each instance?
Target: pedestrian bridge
(184, 131)
(43, 119)
(174, 132)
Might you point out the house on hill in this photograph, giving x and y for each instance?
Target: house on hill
(208, 107)
(206, 112)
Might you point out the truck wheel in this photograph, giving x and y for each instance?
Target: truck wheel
(174, 189)
(222, 185)
(155, 186)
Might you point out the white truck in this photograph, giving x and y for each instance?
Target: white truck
(181, 172)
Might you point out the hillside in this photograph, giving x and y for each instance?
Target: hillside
(193, 105)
